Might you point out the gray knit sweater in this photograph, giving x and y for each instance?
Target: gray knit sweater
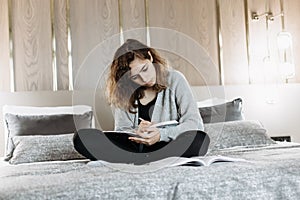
(174, 103)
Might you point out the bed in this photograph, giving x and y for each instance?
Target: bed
(47, 167)
(272, 174)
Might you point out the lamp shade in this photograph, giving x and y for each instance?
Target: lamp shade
(284, 40)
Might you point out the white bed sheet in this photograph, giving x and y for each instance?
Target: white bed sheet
(5, 163)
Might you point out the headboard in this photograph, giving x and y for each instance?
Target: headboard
(276, 106)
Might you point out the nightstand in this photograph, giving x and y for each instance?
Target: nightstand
(282, 138)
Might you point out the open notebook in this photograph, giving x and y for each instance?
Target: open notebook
(171, 162)
(157, 125)
(195, 161)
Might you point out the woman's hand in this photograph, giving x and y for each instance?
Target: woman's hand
(150, 136)
(144, 124)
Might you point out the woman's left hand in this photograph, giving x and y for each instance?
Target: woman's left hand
(149, 138)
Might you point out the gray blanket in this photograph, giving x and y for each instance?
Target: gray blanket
(273, 173)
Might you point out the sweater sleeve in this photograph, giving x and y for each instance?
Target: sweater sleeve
(123, 120)
(189, 116)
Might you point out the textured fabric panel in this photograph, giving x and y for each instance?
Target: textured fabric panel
(248, 133)
(19, 125)
(230, 111)
(39, 148)
(270, 174)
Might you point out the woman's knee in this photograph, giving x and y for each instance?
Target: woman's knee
(80, 147)
(195, 134)
(198, 142)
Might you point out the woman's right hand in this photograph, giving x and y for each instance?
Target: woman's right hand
(143, 126)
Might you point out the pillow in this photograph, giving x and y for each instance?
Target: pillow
(19, 125)
(37, 148)
(249, 133)
(32, 110)
(230, 111)
(210, 102)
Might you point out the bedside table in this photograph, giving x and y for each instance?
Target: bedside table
(282, 138)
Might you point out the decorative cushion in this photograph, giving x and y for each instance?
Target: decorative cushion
(229, 111)
(248, 133)
(37, 148)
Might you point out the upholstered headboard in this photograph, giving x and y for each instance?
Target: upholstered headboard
(276, 106)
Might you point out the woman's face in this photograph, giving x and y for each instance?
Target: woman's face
(142, 71)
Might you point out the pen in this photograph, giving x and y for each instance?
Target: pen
(141, 119)
(145, 121)
(153, 125)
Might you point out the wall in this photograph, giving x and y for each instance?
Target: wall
(44, 42)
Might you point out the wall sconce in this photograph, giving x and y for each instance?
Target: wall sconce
(284, 44)
(285, 53)
(284, 40)
(269, 16)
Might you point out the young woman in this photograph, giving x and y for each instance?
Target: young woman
(144, 91)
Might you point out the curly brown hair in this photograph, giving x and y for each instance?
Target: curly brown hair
(121, 90)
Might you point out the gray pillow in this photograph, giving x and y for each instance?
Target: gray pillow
(230, 111)
(19, 125)
(38, 148)
(249, 133)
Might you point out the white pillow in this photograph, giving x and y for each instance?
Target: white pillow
(211, 102)
(31, 110)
